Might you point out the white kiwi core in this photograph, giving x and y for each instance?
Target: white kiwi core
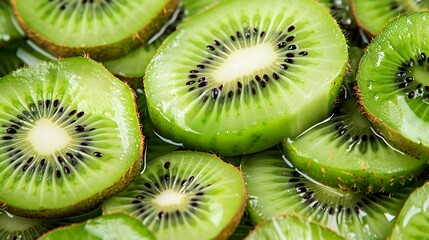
(244, 62)
(170, 199)
(47, 137)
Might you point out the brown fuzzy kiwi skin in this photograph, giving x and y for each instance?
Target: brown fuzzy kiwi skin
(95, 200)
(101, 52)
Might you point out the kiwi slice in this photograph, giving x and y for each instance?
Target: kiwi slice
(185, 195)
(15, 227)
(8, 31)
(241, 76)
(69, 137)
(413, 220)
(275, 187)
(103, 29)
(291, 227)
(192, 7)
(345, 151)
(393, 86)
(372, 15)
(113, 226)
(155, 146)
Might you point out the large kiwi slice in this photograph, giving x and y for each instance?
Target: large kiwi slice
(413, 220)
(185, 195)
(113, 226)
(241, 76)
(372, 15)
(393, 83)
(14, 227)
(291, 227)
(104, 29)
(274, 187)
(345, 151)
(70, 137)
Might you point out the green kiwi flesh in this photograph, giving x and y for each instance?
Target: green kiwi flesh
(193, 7)
(275, 187)
(14, 227)
(113, 226)
(372, 15)
(8, 32)
(393, 86)
(102, 29)
(346, 152)
(185, 195)
(291, 227)
(243, 75)
(69, 137)
(413, 220)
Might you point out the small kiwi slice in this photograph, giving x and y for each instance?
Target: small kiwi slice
(275, 187)
(372, 15)
(185, 195)
(69, 137)
(192, 7)
(113, 226)
(15, 227)
(8, 31)
(241, 76)
(291, 227)
(413, 220)
(103, 29)
(155, 146)
(393, 86)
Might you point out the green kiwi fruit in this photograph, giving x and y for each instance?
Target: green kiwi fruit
(31, 54)
(243, 75)
(113, 226)
(185, 195)
(372, 15)
(154, 145)
(15, 227)
(275, 186)
(9, 61)
(291, 227)
(9, 33)
(102, 29)
(413, 220)
(393, 86)
(69, 137)
(192, 7)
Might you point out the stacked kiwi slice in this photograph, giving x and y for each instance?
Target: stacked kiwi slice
(235, 119)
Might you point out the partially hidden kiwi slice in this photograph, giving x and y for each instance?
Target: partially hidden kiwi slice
(15, 227)
(291, 227)
(8, 31)
(69, 137)
(346, 152)
(113, 226)
(372, 15)
(393, 86)
(275, 187)
(192, 7)
(9, 61)
(413, 220)
(103, 29)
(185, 195)
(243, 75)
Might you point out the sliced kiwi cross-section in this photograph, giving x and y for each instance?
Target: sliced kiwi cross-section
(69, 137)
(393, 84)
(275, 187)
(243, 75)
(104, 29)
(185, 195)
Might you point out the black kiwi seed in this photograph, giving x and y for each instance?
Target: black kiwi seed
(411, 86)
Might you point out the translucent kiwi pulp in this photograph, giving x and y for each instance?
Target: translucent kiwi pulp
(413, 220)
(372, 15)
(393, 85)
(69, 137)
(291, 227)
(274, 187)
(243, 75)
(346, 152)
(104, 29)
(114, 226)
(185, 195)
